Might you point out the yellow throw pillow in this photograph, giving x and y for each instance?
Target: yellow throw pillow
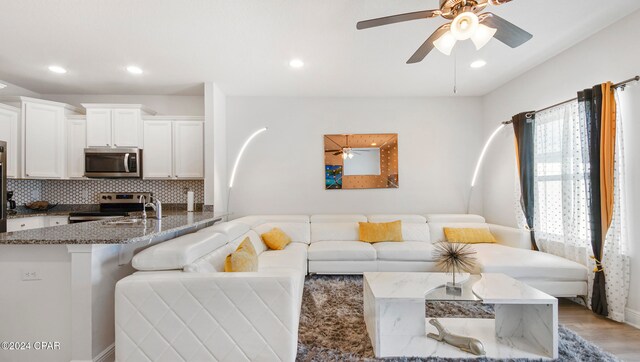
(244, 259)
(372, 232)
(276, 239)
(469, 235)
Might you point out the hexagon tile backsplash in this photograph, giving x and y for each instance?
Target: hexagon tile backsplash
(86, 191)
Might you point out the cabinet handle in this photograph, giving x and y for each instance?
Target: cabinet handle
(22, 225)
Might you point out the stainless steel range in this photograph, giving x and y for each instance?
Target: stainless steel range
(112, 205)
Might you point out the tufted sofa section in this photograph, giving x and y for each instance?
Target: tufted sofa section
(181, 306)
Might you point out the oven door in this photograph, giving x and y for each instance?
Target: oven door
(112, 162)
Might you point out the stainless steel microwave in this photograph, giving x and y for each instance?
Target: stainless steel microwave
(113, 162)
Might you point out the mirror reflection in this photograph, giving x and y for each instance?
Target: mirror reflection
(361, 161)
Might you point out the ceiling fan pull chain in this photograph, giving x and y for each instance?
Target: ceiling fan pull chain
(455, 72)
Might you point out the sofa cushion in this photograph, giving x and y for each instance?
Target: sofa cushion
(414, 227)
(231, 229)
(178, 252)
(468, 235)
(436, 230)
(212, 262)
(275, 239)
(374, 232)
(326, 231)
(341, 250)
(255, 220)
(337, 218)
(243, 259)
(527, 264)
(405, 218)
(408, 251)
(294, 256)
(454, 218)
(256, 240)
(297, 231)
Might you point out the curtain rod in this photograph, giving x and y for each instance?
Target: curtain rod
(617, 85)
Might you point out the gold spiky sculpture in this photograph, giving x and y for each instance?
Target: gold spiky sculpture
(454, 256)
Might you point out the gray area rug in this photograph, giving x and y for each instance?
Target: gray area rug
(332, 325)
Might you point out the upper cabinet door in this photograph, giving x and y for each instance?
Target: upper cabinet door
(126, 125)
(188, 146)
(98, 127)
(9, 134)
(44, 140)
(76, 143)
(158, 150)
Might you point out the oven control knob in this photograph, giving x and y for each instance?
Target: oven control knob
(104, 197)
(109, 197)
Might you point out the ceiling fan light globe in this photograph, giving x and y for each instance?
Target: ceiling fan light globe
(445, 43)
(350, 155)
(344, 155)
(464, 26)
(482, 36)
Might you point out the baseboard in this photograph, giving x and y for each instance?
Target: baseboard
(632, 318)
(108, 355)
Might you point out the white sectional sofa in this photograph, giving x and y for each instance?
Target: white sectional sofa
(182, 306)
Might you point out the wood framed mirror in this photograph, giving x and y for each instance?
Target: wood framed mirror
(361, 161)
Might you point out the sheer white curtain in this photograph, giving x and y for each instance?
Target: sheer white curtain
(561, 214)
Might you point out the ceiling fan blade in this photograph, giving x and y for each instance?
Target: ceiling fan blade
(426, 14)
(499, 2)
(427, 46)
(507, 33)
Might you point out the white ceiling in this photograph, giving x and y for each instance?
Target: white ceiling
(245, 46)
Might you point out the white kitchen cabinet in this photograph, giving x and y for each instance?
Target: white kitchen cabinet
(76, 143)
(188, 149)
(126, 128)
(115, 125)
(158, 150)
(26, 223)
(98, 127)
(40, 132)
(44, 140)
(173, 147)
(9, 118)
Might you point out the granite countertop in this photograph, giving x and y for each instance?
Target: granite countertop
(66, 209)
(103, 232)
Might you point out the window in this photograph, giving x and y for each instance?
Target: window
(560, 176)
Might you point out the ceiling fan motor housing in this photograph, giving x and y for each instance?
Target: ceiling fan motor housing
(451, 8)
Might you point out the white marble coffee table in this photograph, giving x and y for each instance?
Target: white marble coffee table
(525, 324)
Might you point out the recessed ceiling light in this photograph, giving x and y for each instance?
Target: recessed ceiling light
(2, 86)
(134, 70)
(57, 69)
(296, 63)
(374, 144)
(478, 64)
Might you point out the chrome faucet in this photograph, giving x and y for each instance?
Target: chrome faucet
(156, 205)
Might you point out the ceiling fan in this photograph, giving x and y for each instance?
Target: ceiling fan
(346, 151)
(465, 24)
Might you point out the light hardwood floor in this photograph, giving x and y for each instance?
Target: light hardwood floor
(619, 339)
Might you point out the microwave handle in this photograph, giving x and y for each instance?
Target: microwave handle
(126, 162)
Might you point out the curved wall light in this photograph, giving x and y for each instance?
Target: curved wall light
(235, 165)
(479, 163)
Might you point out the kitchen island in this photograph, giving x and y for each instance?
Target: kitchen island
(58, 282)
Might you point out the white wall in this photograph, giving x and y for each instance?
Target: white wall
(163, 104)
(282, 171)
(611, 54)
